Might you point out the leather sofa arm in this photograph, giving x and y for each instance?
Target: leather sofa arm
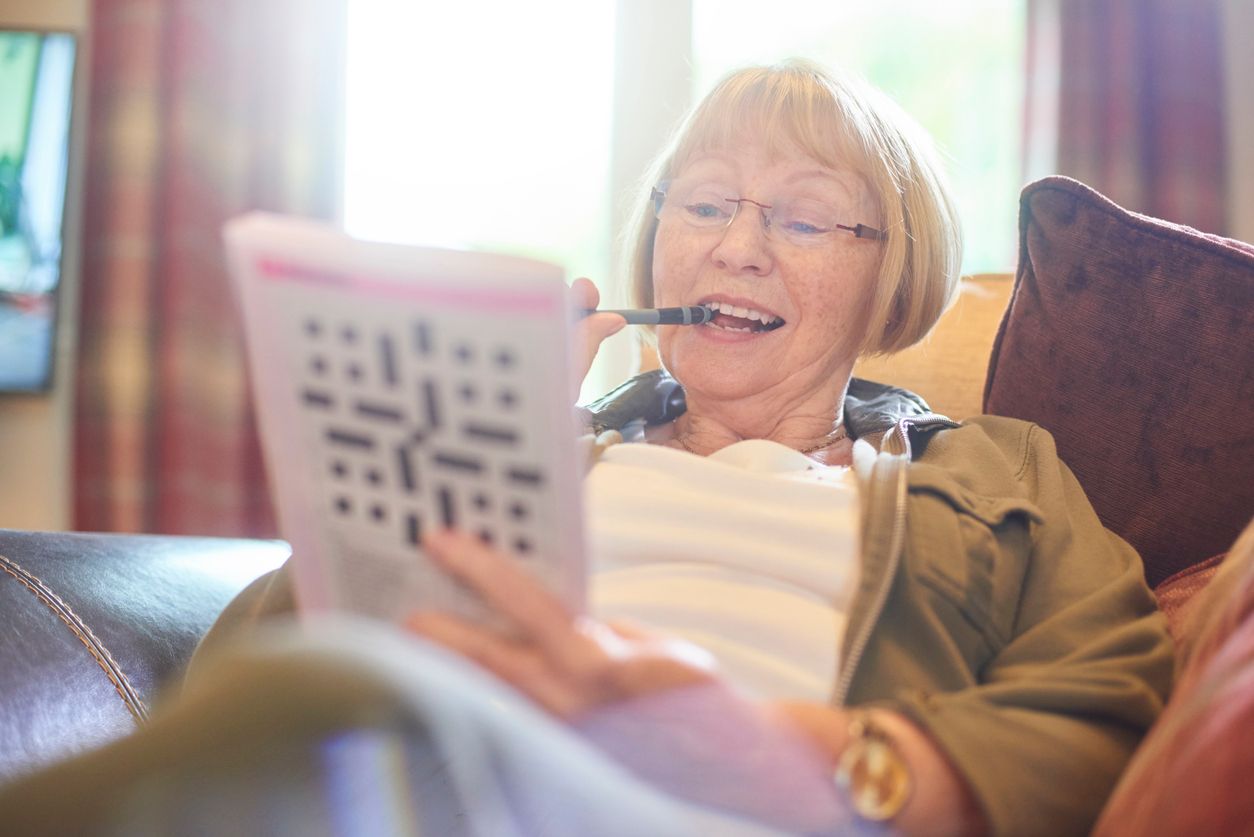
(93, 626)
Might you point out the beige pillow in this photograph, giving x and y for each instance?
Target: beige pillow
(947, 369)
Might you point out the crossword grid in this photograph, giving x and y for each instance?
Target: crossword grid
(410, 422)
(402, 389)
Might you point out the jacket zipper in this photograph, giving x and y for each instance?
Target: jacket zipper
(896, 443)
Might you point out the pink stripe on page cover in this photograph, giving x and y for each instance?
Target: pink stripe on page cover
(516, 302)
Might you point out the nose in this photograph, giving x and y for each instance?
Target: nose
(743, 247)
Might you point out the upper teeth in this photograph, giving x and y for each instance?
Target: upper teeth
(743, 313)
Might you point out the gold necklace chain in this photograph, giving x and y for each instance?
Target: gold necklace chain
(827, 441)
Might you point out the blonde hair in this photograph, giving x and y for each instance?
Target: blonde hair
(841, 123)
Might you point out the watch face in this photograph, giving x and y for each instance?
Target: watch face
(875, 777)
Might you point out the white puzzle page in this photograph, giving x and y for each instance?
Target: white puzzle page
(402, 388)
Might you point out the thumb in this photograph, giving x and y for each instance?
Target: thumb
(590, 331)
(590, 334)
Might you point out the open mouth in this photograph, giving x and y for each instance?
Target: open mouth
(735, 318)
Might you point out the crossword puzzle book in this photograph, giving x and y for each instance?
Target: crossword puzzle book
(399, 388)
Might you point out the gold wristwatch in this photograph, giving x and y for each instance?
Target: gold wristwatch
(872, 772)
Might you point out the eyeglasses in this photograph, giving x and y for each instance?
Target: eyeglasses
(709, 206)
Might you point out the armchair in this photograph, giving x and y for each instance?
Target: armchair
(93, 626)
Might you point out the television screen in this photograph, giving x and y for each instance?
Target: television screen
(36, 92)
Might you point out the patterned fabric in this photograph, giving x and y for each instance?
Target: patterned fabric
(1177, 595)
(199, 110)
(1129, 95)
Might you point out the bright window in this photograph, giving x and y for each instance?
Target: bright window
(956, 66)
(481, 125)
(490, 125)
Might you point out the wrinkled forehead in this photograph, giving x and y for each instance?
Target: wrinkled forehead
(748, 166)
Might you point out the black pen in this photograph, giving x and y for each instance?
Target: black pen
(683, 315)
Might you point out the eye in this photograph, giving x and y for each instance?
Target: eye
(804, 218)
(803, 227)
(706, 211)
(704, 203)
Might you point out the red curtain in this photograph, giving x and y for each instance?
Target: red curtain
(199, 109)
(1127, 96)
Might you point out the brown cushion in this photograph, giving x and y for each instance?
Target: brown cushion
(1132, 341)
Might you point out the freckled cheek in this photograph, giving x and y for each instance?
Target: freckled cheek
(836, 299)
(676, 265)
(816, 286)
(850, 279)
(846, 313)
(663, 288)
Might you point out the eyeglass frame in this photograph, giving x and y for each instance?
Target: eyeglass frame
(658, 195)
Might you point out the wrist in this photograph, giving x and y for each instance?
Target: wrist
(940, 801)
(825, 727)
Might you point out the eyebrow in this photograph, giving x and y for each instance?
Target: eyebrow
(851, 184)
(847, 181)
(826, 174)
(708, 160)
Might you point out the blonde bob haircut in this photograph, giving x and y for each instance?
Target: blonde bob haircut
(843, 124)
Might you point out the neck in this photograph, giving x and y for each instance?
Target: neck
(805, 424)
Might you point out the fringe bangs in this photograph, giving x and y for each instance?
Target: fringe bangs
(781, 107)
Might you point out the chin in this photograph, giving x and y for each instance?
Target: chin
(720, 367)
(722, 382)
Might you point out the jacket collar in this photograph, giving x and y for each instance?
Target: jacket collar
(871, 409)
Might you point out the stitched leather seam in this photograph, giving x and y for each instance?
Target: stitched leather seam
(85, 635)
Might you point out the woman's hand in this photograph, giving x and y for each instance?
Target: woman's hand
(567, 665)
(653, 704)
(590, 332)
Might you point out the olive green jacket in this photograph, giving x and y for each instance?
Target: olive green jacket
(993, 608)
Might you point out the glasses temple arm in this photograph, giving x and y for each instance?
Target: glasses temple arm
(863, 231)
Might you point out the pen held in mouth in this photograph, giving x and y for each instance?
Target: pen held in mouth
(681, 315)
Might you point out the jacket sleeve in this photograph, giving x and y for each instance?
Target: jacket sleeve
(1058, 659)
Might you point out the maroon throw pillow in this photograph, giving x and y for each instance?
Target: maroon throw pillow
(1131, 340)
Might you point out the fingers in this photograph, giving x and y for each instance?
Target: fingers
(594, 330)
(565, 664)
(584, 293)
(512, 592)
(591, 331)
(630, 630)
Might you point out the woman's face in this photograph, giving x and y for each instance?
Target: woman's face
(821, 293)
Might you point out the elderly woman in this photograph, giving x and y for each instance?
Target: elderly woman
(934, 606)
(811, 597)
